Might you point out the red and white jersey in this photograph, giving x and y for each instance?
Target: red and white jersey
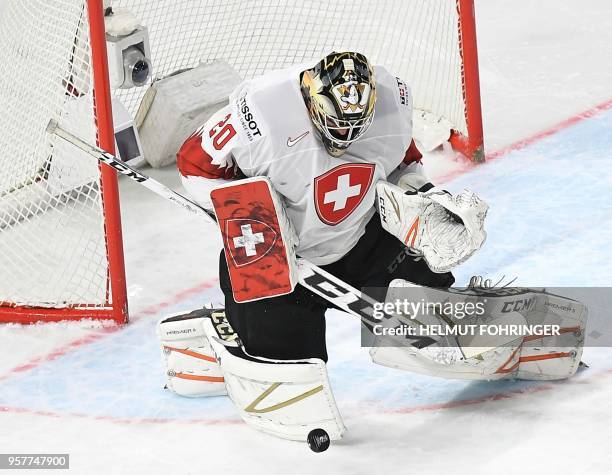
(266, 131)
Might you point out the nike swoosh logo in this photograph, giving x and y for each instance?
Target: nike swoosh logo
(291, 142)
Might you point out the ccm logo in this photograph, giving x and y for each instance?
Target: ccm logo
(519, 305)
(381, 209)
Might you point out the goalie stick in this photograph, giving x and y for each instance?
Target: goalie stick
(322, 283)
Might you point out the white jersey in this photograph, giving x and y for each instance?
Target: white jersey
(266, 131)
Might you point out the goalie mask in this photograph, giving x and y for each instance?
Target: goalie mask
(340, 94)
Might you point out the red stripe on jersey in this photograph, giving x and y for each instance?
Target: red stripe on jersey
(412, 154)
(192, 160)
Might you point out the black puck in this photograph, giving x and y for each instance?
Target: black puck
(318, 440)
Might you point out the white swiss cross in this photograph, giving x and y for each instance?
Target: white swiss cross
(342, 193)
(248, 240)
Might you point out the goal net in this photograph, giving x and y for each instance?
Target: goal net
(60, 235)
(429, 44)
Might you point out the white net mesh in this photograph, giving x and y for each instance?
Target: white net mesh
(418, 40)
(52, 245)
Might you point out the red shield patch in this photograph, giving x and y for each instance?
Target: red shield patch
(248, 240)
(339, 191)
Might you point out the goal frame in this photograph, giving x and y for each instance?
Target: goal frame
(471, 146)
(115, 308)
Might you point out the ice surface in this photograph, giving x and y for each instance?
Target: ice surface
(97, 392)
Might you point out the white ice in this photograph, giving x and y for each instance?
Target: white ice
(97, 393)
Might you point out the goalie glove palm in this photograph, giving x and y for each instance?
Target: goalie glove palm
(445, 229)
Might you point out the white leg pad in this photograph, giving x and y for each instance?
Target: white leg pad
(497, 357)
(192, 369)
(554, 357)
(482, 368)
(286, 399)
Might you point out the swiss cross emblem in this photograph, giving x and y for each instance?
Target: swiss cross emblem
(339, 191)
(248, 240)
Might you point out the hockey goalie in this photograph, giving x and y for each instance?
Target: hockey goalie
(317, 161)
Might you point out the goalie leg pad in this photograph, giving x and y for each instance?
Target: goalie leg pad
(558, 356)
(411, 359)
(533, 357)
(192, 369)
(287, 399)
(258, 239)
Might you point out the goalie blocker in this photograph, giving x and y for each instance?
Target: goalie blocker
(258, 239)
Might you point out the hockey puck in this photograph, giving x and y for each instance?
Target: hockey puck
(318, 440)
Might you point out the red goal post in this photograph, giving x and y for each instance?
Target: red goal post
(43, 207)
(472, 144)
